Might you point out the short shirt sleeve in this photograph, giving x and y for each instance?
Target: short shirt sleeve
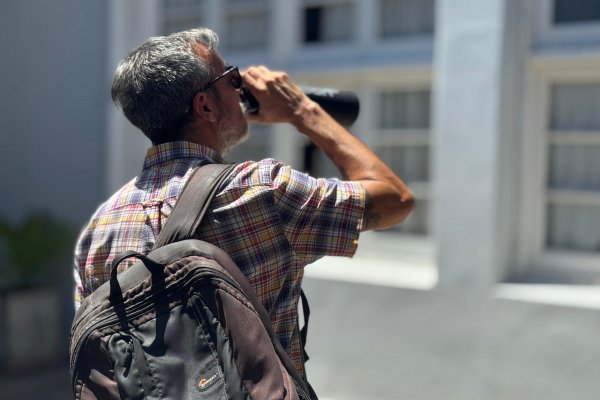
(319, 216)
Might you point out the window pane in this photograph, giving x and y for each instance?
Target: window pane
(566, 11)
(575, 107)
(409, 162)
(316, 163)
(417, 222)
(247, 30)
(180, 15)
(336, 22)
(173, 25)
(405, 18)
(182, 3)
(246, 1)
(574, 227)
(328, 23)
(312, 22)
(405, 110)
(574, 167)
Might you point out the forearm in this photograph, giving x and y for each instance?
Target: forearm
(389, 201)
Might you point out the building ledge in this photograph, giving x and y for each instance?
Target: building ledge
(578, 296)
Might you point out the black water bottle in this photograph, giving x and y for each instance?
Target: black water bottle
(342, 105)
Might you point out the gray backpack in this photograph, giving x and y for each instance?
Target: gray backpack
(183, 322)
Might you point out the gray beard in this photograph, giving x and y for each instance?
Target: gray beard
(230, 141)
(231, 137)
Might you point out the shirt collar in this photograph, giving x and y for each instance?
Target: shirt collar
(170, 151)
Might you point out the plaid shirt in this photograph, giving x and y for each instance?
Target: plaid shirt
(271, 220)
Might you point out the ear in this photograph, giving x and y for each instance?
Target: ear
(205, 108)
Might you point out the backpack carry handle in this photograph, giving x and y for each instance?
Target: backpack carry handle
(155, 269)
(152, 265)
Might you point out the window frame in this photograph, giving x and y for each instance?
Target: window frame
(301, 35)
(547, 34)
(403, 78)
(534, 258)
(406, 137)
(381, 37)
(198, 11)
(240, 9)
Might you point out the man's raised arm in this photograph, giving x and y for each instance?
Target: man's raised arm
(389, 201)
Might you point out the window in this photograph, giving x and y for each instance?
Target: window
(406, 18)
(573, 11)
(403, 142)
(328, 22)
(180, 15)
(561, 23)
(573, 183)
(247, 24)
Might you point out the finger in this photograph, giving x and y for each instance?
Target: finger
(258, 71)
(249, 79)
(253, 82)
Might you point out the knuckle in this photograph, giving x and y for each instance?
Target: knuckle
(280, 77)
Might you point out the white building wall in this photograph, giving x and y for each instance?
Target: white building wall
(53, 154)
(52, 146)
(488, 67)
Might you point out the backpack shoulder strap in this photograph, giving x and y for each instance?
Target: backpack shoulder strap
(193, 203)
(189, 210)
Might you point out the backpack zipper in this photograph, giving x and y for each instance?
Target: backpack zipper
(136, 310)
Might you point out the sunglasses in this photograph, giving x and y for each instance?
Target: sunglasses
(236, 78)
(236, 81)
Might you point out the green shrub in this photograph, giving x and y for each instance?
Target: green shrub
(32, 248)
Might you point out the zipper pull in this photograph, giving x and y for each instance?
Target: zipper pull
(126, 363)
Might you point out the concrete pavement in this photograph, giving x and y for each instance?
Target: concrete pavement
(375, 342)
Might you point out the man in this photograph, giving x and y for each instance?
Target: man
(271, 219)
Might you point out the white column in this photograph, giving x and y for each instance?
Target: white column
(365, 21)
(215, 15)
(286, 143)
(479, 60)
(130, 23)
(285, 24)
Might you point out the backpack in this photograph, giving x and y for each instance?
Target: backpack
(182, 322)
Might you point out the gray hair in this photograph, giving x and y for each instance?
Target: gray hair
(155, 84)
